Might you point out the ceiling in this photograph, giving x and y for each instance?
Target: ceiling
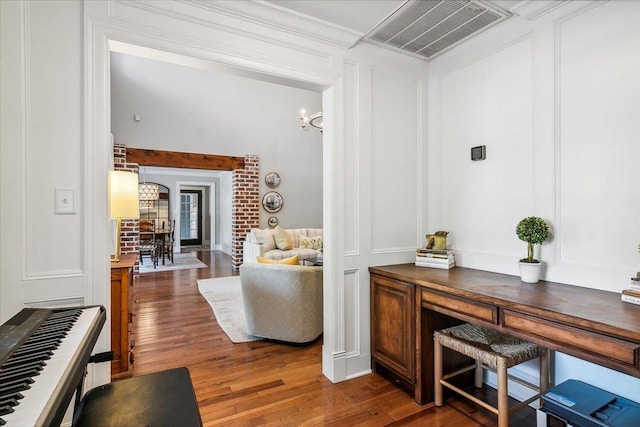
(402, 24)
(358, 15)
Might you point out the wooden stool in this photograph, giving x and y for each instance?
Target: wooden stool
(491, 350)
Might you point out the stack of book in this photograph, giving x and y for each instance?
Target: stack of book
(435, 258)
(632, 294)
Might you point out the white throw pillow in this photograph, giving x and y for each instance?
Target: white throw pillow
(264, 237)
(283, 239)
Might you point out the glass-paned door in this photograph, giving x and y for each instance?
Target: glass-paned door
(190, 217)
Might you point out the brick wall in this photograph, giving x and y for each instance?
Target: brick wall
(130, 228)
(245, 205)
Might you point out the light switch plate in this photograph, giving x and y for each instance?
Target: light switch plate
(65, 201)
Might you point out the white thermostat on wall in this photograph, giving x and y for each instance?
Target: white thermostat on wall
(479, 152)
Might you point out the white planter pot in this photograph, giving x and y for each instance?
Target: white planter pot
(530, 271)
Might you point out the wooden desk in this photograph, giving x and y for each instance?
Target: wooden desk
(409, 303)
(122, 315)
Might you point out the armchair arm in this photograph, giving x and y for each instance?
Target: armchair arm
(282, 302)
(250, 251)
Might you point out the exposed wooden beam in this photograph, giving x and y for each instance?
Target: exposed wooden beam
(174, 159)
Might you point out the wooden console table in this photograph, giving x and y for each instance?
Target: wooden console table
(409, 303)
(122, 315)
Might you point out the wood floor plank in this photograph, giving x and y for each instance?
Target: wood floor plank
(264, 383)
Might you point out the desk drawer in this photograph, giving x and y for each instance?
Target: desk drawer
(567, 336)
(460, 308)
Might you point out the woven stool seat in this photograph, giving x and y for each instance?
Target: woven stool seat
(491, 350)
(487, 345)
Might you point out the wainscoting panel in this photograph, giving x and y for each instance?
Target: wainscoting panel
(51, 118)
(488, 102)
(598, 150)
(395, 139)
(56, 303)
(356, 317)
(351, 156)
(555, 101)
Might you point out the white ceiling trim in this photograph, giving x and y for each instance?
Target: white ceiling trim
(533, 10)
(287, 20)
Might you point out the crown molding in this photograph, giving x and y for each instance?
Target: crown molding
(286, 20)
(532, 10)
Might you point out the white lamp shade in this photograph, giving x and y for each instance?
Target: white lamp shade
(123, 195)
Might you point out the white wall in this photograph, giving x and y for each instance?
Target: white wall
(208, 111)
(223, 219)
(55, 133)
(556, 100)
(56, 125)
(41, 128)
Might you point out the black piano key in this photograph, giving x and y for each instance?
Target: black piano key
(30, 373)
(39, 346)
(67, 312)
(8, 385)
(34, 349)
(13, 397)
(41, 340)
(12, 400)
(22, 367)
(60, 329)
(28, 358)
(59, 321)
(38, 364)
(55, 320)
(54, 326)
(15, 388)
(4, 410)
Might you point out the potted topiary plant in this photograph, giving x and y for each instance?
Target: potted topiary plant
(534, 231)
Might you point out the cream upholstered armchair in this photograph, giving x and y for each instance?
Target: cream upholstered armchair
(282, 302)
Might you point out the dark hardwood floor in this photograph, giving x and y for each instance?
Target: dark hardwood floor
(264, 383)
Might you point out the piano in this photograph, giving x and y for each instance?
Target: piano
(43, 359)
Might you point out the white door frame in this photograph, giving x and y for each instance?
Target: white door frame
(211, 189)
(102, 33)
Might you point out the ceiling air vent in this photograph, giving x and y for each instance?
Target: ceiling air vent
(429, 27)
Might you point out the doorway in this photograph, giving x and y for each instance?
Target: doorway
(190, 217)
(97, 62)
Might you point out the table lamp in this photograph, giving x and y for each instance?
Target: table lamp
(123, 201)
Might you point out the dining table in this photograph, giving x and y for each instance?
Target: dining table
(161, 236)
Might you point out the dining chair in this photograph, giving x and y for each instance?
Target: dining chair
(148, 243)
(168, 241)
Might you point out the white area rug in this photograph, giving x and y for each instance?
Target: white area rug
(224, 295)
(180, 262)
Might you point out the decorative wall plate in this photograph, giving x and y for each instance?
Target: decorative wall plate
(272, 202)
(273, 221)
(272, 180)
